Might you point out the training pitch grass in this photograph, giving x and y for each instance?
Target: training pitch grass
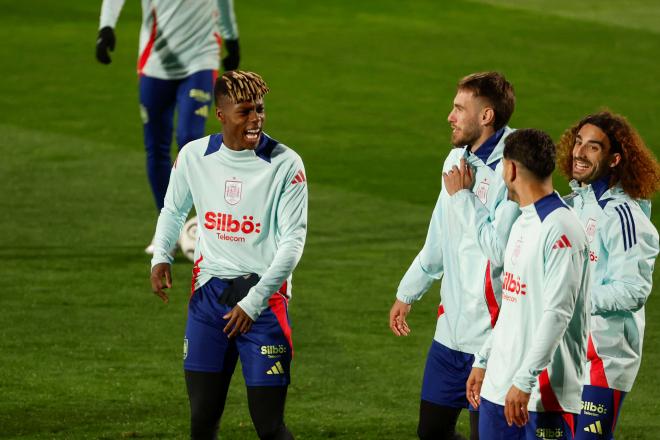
(361, 90)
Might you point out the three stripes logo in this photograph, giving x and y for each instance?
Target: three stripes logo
(562, 243)
(203, 111)
(594, 428)
(627, 226)
(276, 369)
(300, 178)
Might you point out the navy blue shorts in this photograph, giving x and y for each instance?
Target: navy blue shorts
(445, 376)
(600, 411)
(544, 425)
(265, 351)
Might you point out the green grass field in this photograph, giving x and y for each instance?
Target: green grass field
(361, 89)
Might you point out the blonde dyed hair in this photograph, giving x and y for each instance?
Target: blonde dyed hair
(240, 86)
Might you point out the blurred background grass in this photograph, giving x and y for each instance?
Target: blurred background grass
(361, 90)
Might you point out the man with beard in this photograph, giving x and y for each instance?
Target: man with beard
(613, 175)
(471, 285)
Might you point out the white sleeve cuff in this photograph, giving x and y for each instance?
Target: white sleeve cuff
(405, 299)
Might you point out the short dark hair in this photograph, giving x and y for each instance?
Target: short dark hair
(493, 87)
(534, 149)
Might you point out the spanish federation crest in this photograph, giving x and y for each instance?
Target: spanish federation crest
(590, 229)
(233, 191)
(482, 191)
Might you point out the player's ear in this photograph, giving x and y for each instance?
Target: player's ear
(487, 116)
(220, 114)
(513, 171)
(615, 160)
(508, 170)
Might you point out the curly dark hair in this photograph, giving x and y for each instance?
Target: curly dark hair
(532, 148)
(638, 172)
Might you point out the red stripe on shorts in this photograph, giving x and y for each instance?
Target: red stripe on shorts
(570, 421)
(617, 403)
(278, 304)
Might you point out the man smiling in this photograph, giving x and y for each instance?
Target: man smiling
(250, 194)
(613, 173)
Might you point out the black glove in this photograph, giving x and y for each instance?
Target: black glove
(105, 42)
(230, 62)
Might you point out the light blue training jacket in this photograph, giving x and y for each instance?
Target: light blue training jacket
(471, 286)
(623, 249)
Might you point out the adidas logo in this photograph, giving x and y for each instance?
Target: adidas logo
(562, 243)
(594, 428)
(300, 178)
(276, 369)
(199, 95)
(203, 111)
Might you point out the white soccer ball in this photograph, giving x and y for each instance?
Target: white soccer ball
(188, 239)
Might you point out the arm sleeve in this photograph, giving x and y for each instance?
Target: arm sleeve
(481, 356)
(110, 10)
(292, 229)
(427, 265)
(631, 244)
(564, 272)
(491, 228)
(227, 21)
(178, 202)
